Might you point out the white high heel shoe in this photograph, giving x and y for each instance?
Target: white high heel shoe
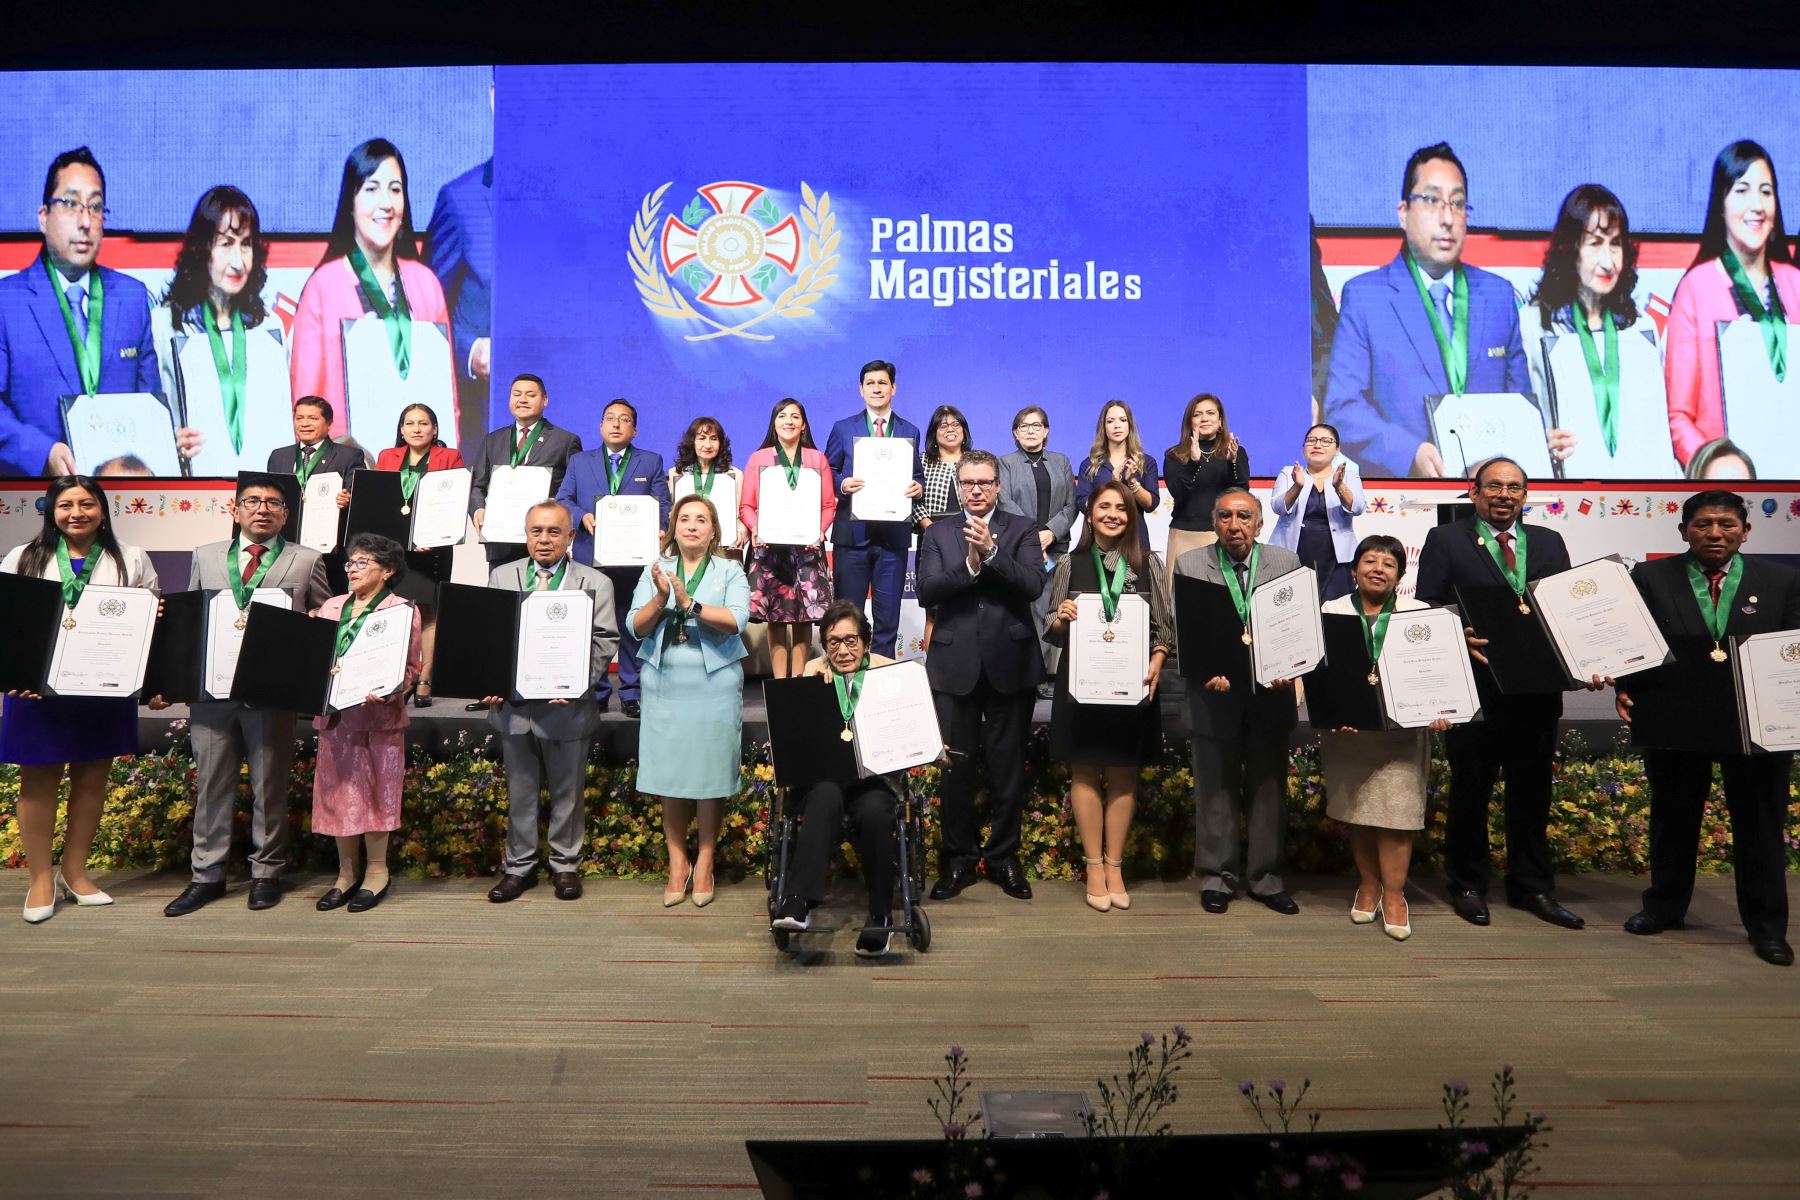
(1119, 899)
(1360, 916)
(93, 899)
(1398, 932)
(43, 912)
(1102, 902)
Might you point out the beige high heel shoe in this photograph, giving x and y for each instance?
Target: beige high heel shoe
(1100, 903)
(1119, 899)
(1360, 916)
(674, 896)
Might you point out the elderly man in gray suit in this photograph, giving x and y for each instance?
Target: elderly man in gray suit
(226, 732)
(1039, 484)
(1240, 738)
(547, 740)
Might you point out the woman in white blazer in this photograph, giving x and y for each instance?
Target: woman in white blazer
(1314, 502)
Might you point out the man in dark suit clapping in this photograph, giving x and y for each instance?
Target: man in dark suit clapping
(979, 572)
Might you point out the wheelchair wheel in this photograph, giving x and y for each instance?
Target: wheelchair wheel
(920, 937)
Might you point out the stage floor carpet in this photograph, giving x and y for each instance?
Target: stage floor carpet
(442, 1046)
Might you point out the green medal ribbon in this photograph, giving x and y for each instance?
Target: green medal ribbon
(888, 420)
(303, 469)
(792, 468)
(411, 473)
(531, 579)
(1772, 319)
(232, 374)
(397, 317)
(681, 618)
(1715, 615)
(1605, 376)
(74, 584)
(348, 628)
(1240, 597)
(1515, 578)
(87, 354)
(240, 591)
(1113, 587)
(703, 481)
(523, 447)
(849, 694)
(616, 477)
(1453, 349)
(1375, 634)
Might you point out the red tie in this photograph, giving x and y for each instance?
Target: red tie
(880, 426)
(1506, 541)
(1713, 580)
(255, 551)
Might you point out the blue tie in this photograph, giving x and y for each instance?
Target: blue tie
(616, 455)
(1440, 296)
(78, 306)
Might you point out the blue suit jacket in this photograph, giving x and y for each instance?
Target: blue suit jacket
(586, 481)
(1385, 362)
(846, 530)
(461, 237)
(37, 363)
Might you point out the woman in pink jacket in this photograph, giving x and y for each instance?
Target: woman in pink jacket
(790, 586)
(1744, 268)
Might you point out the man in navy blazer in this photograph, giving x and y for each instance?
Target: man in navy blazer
(1765, 599)
(872, 552)
(38, 365)
(589, 478)
(1385, 358)
(461, 254)
(980, 572)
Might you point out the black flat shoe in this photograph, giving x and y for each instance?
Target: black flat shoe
(1774, 951)
(336, 898)
(1648, 924)
(364, 899)
(1279, 902)
(955, 880)
(1011, 877)
(478, 706)
(1544, 907)
(1470, 906)
(264, 893)
(193, 898)
(1214, 901)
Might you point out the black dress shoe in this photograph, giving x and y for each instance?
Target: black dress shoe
(478, 706)
(1280, 902)
(1774, 951)
(603, 704)
(337, 897)
(1647, 923)
(1470, 906)
(1544, 907)
(364, 899)
(567, 885)
(1214, 901)
(193, 898)
(630, 708)
(953, 882)
(264, 893)
(511, 887)
(1011, 877)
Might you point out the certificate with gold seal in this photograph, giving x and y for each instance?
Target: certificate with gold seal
(1597, 621)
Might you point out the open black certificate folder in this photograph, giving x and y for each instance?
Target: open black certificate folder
(1520, 654)
(1210, 632)
(285, 660)
(520, 645)
(1339, 694)
(1690, 702)
(805, 734)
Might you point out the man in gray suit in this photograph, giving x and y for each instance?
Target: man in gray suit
(1240, 738)
(1039, 485)
(549, 738)
(226, 732)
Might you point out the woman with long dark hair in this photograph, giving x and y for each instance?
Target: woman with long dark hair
(1207, 460)
(48, 735)
(1587, 348)
(789, 585)
(230, 369)
(1118, 453)
(371, 268)
(702, 460)
(416, 452)
(1744, 269)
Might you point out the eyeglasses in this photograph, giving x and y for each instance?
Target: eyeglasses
(980, 483)
(850, 642)
(1321, 441)
(1434, 204)
(360, 564)
(1503, 489)
(93, 208)
(1031, 425)
(255, 502)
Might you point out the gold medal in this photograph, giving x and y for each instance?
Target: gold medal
(1244, 637)
(68, 622)
(336, 668)
(1374, 677)
(242, 620)
(1717, 653)
(1524, 607)
(847, 735)
(1107, 636)
(406, 510)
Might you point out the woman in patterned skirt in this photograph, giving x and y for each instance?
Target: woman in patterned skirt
(790, 587)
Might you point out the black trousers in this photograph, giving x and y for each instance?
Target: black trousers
(1521, 749)
(871, 807)
(1756, 788)
(995, 724)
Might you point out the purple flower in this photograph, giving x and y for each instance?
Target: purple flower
(1506, 1069)
(1148, 1039)
(954, 1129)
(1351, 1180)
(956, 1053)
(921, 1176)
(1181, 1036)
(1458, 1087)
(1290, 1181)
(1246, 1087)
(1278, 1086)
(1317, 1162)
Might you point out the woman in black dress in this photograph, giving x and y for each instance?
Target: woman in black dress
(1106, 745)
(1206, 461)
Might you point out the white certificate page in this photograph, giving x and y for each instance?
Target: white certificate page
(440, 508)
(225, 640)
(511, 492)
(1759, 409)
(107, 651)
(896, 723)
(114, 424)
(1597, 621)
(1478, 425)
(627, 531)
(1769, 675)
(376, 395)
(885, 465)
(319, 511)
(1109, 659)
(555, 651)
(375, 663)
(1425, 671)
(724, 497)
(1286, 637)
(788, 516)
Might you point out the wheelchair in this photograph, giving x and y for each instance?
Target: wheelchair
(909, 917)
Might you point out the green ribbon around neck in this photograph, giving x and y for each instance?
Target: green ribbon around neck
(1375, 633)
(615, 476)
(703, 481)
(232, 373)
(1240, 596)
(689, 585)
(1515, 578)
(1112, 586)
(305, 463)
(349, 627)
(532, 576)
(240, 591)
(73, 583)
(1605, 376)
(397, 317)
(411, 472)
(887, 424)
(1453, 347)
(792, 468)
(87, 352)
(522, 446)
(1770, 318)
(849, 693)
(1716, 615)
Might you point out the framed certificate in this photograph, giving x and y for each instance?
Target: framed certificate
(1479, 425)
(788, 516)
(115, 425)
(374, 393)
(440, 509)
(375, 504)
(627, 531)
(1522, 660)
(320, 516)
(895, 726)
(885, 466)
(555, 644)
(511, 493)
(268, 416)
(1644, 450)
(375, 663)
(103, 646)
(1286, 640)
(1759, 409)
(1597, 621)
(1109, 659)
(1767, 666)
(724, 497)
(1425, 670)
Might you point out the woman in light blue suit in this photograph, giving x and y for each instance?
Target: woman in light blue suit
(689, 610)
(1314, 502)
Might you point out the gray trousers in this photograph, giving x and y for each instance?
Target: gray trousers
(1040, 611)
(224, 734)
(1230, 775)
(530, 760)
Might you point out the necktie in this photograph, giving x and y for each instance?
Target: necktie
(880, 426)
(615, 456)
(1243, 575)
(1506, 551)
(1041, 475)
(1713, 580)
(78, 306)
(253, 555)
(519, 436)
(1440, 296)
(543, 574)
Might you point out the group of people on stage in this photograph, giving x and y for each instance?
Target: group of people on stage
(1629, 404)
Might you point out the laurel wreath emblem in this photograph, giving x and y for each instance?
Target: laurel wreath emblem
(1791, 652)
(817, 273)
(112, 607)
(1417, 634)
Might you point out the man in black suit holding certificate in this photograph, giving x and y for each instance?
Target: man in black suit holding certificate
(529, 441)
(1713, 593)
(1517, 733)
(979, 572)
(313, 451)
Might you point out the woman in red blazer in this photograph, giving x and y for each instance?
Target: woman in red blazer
(417, 451)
